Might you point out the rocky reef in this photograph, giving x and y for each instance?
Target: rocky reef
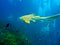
(9, 37)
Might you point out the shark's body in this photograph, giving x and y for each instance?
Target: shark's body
(33, 17)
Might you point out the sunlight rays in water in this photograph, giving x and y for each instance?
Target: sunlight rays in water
(43, 6)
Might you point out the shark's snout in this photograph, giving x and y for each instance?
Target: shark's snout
(20, 18)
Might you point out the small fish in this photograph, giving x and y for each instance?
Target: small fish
(7, 25)
(33, 18)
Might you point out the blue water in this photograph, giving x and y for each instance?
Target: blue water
(40, 33)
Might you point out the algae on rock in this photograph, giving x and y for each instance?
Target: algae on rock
(12, 37)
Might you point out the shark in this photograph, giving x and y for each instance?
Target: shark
(32, 17)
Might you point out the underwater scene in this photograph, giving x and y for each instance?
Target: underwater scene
(29, 22)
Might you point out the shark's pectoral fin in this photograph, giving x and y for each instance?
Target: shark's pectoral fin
(27, 21)
(34, 20)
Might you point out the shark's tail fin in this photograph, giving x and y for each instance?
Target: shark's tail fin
(49, 18)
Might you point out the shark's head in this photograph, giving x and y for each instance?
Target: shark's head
(27, 18)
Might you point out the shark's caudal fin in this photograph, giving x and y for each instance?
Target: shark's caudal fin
(49, 18)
